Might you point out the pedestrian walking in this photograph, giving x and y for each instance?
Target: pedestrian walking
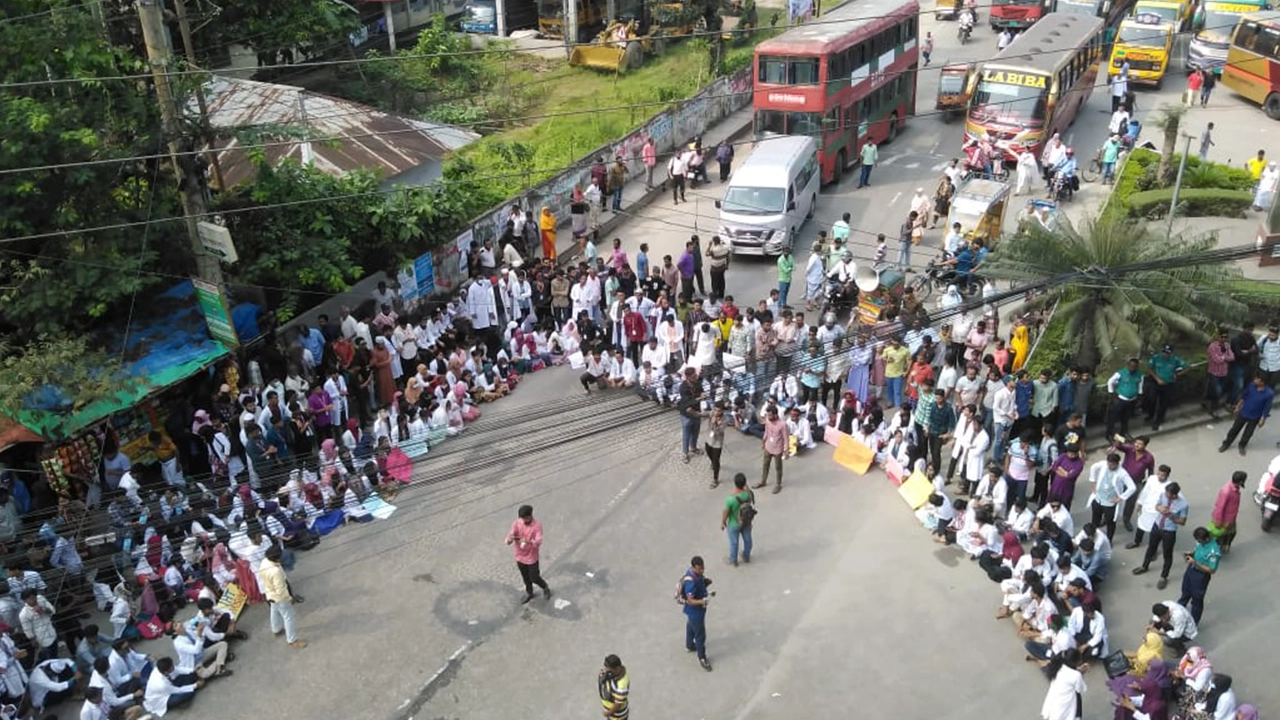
(677, 168)
(1206, 88)
(1110, 155)
(906, 235)
(1206, 142)
(869, 154)
(1251, 412)
(736, 518)
(775, 441)
(1226, 508)
(1026, 170)
(695, 597)
(690, 413)
(786, 265)
(1172, 510)
(276, 588)
(1119, 86)
(1202, 563)
(1004, 39)
(526, 536)
(926, 47)
(715, 441)
(697, 265)
(648, 156)
(724, 156)
(615, 688)
(1194, 82)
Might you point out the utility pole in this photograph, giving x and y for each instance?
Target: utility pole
(184, 26)
(193, 207)
(1177, 185)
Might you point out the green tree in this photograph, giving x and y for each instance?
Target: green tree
(280, 30)
(1113, 313)
(60, 282)
(1169, 121)
(59, 377)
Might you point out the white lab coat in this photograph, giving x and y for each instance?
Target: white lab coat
(1148, 498)
(975, 460)
(1060, 699)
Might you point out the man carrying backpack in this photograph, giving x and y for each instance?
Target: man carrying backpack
(695, 598)
(739, 511)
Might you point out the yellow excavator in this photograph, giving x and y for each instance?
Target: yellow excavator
(622, 47)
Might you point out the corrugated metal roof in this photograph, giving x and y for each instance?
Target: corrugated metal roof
(367, 138)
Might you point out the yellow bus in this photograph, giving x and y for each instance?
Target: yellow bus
(1253, 61)
(1146, 44)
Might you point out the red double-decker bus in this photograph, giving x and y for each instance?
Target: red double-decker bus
(848, 78)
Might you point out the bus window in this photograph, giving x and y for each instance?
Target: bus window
(859, 55)
(1008, 103)
(831, 121)
(788, 71)
(771, 122)
(803, 71)
(773, 70)
(804, 123)
(1268, 41)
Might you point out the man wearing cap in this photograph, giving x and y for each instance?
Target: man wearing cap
(1251, 411)
(1164, 369)
(1124, 387)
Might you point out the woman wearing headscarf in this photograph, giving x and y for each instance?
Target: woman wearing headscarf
(1216, 702)
(1066, 690)
(1246, 712)
(385, 382)
(1147, 704)
(950, 299)
(1020, 344)
(1194, 672)
(858, 381)
(547, 224)
(1152, 648)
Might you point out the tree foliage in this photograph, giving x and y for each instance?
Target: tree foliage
(281, 30)
(67, 281)
(59, 376)
(1112, 313)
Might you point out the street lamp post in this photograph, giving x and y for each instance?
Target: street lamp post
(1177, 185)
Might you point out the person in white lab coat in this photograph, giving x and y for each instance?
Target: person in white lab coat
(1148, 498)
(51, 682)
(163, 694)
(975, 457)
(1065, 691)
(13, 677)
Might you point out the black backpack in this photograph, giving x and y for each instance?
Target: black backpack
(746, 510)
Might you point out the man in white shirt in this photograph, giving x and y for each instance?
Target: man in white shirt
(1111, 487)
(195, 659)
(798, 428)
(954, 239)
(348, 324)
(127, 669)
(1020, 519)
(594, 372)
(98, 679)
(1061, 516)
(94, 707)
(1004, 410)
(51, 682)
(1174, 624)
(36, 618)
(1089, 628)
(1068, 571)
(622, 372)
(163, 694)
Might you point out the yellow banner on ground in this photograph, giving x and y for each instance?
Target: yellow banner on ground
(916, 490)
(233, 599)
(854, 455)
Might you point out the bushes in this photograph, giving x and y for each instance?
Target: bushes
(1192, 202)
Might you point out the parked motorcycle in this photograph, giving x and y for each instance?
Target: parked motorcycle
(1269, 501)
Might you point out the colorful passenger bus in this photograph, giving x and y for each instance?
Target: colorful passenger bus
(1253, 61)
(1214, 23)
(1035, 86)
(846, 79)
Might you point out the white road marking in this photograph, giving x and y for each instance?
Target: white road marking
(591, 574)
(889, 160)
(911, 166)
(473, 622)
(786, 592)
(777, 695)
(561, 603)
(894, 200)
(457, 654)
(621, 492)
(934, 151)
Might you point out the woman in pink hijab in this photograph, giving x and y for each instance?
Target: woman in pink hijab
(220, 565)
(201, 421)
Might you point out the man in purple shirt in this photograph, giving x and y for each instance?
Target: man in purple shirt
(686, 265)
(1139, 463)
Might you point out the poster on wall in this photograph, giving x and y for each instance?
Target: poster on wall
(424, 275)
(463, 244)
(408, 284)
(799, 10)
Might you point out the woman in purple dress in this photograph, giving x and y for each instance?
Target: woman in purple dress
(859, 379)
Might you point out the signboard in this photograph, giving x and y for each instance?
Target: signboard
(216, 241)
(424, 275)
(786, 98)
(1013, 78)
(214, 307)
(233, 600)
(463, 243)
(408, 284)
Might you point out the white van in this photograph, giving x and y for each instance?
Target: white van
(770, 196)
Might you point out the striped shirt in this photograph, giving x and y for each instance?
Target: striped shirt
(615, 695)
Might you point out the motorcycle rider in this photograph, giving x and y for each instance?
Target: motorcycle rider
(968, 18)
(1066, 171)
(840, 278)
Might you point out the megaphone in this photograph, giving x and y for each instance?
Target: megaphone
(867, 279)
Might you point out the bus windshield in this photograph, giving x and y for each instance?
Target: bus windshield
(1168, 14)
(1077, 8)
(788, 70)
(1218, 23)
(1140, 36)
(1009, 104)
(754, 200)
(783, 122)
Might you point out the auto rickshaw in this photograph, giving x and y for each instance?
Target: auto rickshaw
(979, 205)
(953, 90)
(879, 289)
(946, 9)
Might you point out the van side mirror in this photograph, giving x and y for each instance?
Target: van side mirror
(717, 204)
(791, 206)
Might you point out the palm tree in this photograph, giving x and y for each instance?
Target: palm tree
(1118, 314)
(1169, 121)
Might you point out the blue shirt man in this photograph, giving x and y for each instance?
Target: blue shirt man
(313, 340)
(693, 592)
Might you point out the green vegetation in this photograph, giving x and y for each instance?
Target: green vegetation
(83, 376)
(1111, 314)
(1192, 202)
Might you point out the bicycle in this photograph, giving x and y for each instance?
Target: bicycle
(1094, 171)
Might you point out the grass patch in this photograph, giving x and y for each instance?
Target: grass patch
(548, 141)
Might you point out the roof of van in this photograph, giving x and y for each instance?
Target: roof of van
(820, 35)
(761, 167)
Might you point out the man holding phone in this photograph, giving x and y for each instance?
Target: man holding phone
(615, 688)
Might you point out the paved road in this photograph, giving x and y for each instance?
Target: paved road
(848, 610)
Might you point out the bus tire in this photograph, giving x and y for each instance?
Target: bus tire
(893, 128)
(1272, 106)
(835, 176)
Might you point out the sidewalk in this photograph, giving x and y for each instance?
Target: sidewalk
(735, 127)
